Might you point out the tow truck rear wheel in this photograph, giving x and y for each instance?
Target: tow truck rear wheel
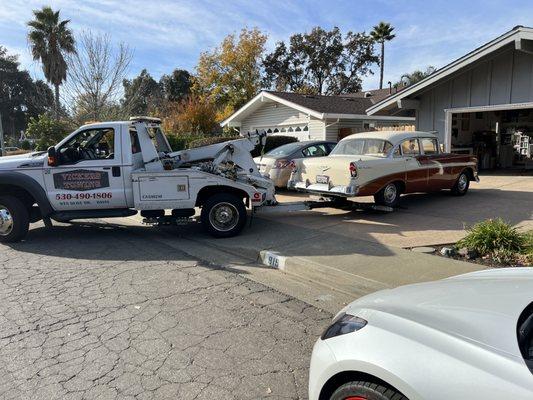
(223, 215)
(14, 219)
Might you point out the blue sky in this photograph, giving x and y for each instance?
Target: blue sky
(168, 34)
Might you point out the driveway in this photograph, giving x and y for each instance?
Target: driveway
(427, 219)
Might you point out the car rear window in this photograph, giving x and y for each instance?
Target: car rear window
(525, 335)
(285, 150)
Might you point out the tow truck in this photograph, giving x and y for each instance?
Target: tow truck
(118, 169)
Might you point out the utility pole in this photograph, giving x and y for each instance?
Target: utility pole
(2, 147)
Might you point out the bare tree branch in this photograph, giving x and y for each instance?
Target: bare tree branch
(95, 74)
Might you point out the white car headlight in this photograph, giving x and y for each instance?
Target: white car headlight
(343, 324)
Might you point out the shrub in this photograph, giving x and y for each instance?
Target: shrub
(494, 237)
(47, 131)
(206, 141)
(272, 142)
(25, 145)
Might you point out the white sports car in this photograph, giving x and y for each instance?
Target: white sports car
(466, 337)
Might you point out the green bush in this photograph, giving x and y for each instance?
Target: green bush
(47, 131)
(25, 145)
(206, 141)
(272, 142)
(494, 237)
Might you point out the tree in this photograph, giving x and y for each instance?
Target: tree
(193, 115)
(95, 75)
(409, 79)
(20, 97)
(382, 33)
(231, 74)
(142, 94)
(320, 62)
(46, 131)
(50, 41)
(177, 85)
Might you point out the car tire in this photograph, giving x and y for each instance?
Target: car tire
(223, 215)
(460, 188)
(14, 219)
(389, 196)
(362, 390)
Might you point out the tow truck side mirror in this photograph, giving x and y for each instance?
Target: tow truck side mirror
(52, 157)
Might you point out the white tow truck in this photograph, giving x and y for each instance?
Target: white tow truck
(116, 169)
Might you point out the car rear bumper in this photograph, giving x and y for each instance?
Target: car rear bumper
(324, 189)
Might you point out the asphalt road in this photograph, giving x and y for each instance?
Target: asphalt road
(92, 311)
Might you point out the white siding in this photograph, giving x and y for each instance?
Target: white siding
(273, 114)
(503, 78)
(316, 129)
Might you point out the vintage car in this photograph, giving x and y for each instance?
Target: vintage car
(384, 165)
(276, 163)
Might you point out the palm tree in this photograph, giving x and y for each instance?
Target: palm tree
(50, 40)
(382, 33)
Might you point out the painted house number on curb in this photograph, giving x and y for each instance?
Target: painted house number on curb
(273, 260)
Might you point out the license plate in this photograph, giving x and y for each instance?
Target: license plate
(322, 179)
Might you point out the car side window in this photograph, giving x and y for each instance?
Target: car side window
(318, 150)
(430, 146)
(410, 147)
(397, 152)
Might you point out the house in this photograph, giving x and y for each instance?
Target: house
(481, 103)
(314, 117)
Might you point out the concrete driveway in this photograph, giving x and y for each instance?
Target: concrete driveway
(427, 219)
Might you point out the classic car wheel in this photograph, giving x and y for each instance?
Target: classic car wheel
(461, 185)
(388, 196)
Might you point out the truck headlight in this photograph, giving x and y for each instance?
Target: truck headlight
(343, 324)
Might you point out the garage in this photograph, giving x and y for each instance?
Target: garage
(480, 104)
(499, 138)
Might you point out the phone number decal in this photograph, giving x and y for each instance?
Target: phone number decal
(83, 196)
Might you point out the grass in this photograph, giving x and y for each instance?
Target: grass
(500, 241)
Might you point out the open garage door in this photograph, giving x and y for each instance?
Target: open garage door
(501, 138)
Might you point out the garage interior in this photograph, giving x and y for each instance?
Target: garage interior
(500, 139)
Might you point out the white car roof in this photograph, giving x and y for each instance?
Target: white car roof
(394, 137)
(482, 308)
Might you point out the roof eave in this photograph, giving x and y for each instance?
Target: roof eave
(268, 95)
(454, 66)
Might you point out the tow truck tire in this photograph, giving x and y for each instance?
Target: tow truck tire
(14, 219)
(223, 215)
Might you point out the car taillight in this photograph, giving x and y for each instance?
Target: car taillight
(353, 169)
(279, 164)
(292, 165)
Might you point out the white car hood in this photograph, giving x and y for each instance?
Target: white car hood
(480, 307)
(30, 160)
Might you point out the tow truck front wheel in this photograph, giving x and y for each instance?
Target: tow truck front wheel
(223, 215)
(14, 219)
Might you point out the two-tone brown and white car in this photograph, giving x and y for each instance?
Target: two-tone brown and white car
(384, 165)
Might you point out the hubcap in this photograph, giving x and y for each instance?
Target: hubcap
(390, 193)
(462, 183)
(6, 221)
(224, 217)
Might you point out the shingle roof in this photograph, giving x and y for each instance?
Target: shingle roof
(355, 103)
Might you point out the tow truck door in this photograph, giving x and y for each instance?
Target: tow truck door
(89, 173)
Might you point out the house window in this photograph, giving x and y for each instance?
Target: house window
(306, 128)
(276, 130)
